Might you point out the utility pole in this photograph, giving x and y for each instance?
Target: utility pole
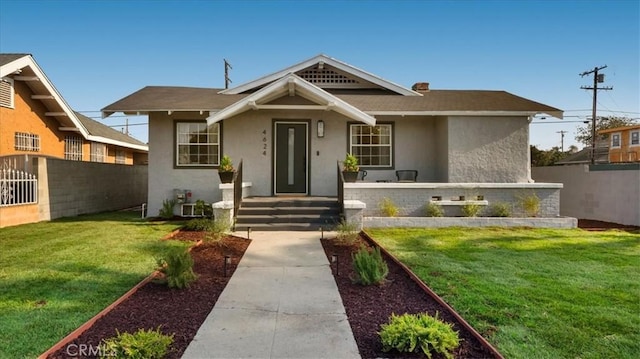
(227, 67)
(597, 78)
(562, 139)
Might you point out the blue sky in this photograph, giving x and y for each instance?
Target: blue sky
(96, 52)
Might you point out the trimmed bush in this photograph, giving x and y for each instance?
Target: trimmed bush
(471, 210)
(530, 204)
(434, 210)
(369, 266)
(177, 267)
(347, 233)
(412, 332)
(143, 344)
(199, 224)
(500, 209)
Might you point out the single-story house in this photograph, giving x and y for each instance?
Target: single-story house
(291, 128)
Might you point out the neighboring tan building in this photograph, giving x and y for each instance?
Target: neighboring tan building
(36, 120)
(624, 143)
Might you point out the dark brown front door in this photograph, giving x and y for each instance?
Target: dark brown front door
(290, 157)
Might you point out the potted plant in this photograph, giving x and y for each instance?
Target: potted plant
(350, 168)
(226, 170)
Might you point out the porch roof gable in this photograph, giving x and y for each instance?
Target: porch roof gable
(292, 85)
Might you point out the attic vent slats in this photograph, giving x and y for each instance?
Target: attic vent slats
(6, 92)
(325, 77)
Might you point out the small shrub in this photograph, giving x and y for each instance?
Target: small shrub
(530, 204)
(203, 209)
(226, 165)
(199, 224)
(350, 163)
(143, 344)
(412, 332)
(166, 211)
(388, 208)
(218, 230)
(500, 209)
(347, 233)
(177, 267)
(369, 266)
(471, 210)
(434, 210)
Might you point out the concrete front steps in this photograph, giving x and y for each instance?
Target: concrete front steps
(288, 214)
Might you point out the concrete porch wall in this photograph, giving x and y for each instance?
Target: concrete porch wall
(411, 198)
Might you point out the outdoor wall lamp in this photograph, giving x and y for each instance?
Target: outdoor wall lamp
(320, 129)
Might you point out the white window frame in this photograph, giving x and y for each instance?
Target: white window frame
(613, 135)
(390, 145)
(98, 152)
(189, 136)
(11, 103)
(631, 144)
(24, 141)
(73, 148)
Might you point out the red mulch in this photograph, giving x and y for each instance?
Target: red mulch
(368, 307)
(177, 311)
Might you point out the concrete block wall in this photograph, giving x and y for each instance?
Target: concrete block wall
(609, 193)
(71, 188)
(412, 198)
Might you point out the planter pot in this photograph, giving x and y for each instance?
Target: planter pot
(226, 177)
(350, 176)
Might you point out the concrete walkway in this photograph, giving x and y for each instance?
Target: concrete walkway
(282, 302)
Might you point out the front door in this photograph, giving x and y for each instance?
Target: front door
(290, 157)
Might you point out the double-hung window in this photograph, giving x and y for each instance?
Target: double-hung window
(615, 140)
(73, 148)
(121, 156)
(634, 138)
(372, 145)
(197, 145)
(98, 152)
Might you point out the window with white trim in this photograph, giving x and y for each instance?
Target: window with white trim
(121, 156)
(634, 138)
(372, 146)
(27, 142)
(98, 152)
(73, 148)
(615, 140)
(6, 92)
(197, 145)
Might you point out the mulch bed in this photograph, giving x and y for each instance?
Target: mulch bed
(177, 311)
(368, 307)
(592, 225)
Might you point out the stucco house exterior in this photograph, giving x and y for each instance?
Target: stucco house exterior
(624, 143)
(291, 128)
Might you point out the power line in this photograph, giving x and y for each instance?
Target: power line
(597, 78)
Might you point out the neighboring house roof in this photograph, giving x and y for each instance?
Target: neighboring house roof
(584, 156)
(618, 129)
(23, 67)
(434, 102)
(321, 60)
(105, 133)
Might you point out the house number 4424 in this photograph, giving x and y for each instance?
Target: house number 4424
(264, 142)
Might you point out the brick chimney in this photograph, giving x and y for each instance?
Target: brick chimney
(420, 87)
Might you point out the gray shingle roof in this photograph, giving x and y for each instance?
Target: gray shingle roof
(96, 128)
(159, 98)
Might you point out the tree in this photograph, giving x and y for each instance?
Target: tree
(602, 123)
(541, 158)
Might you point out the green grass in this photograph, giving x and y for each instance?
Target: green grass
(56, 275)
(533, 293)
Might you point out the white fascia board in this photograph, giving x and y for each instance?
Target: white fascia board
(304, 88)
(329, 61)
(28, 61)
(110, 141)
(462, 113)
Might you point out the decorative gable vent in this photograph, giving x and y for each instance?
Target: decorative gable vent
(6, 92)
(322, 77)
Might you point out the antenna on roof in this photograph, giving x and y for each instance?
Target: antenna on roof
(227, 67)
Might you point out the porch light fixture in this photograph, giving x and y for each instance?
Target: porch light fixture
(320, 129)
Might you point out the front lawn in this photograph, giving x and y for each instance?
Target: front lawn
(56, 275)
(534, 293)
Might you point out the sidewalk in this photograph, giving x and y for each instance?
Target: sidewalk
(282, 302)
